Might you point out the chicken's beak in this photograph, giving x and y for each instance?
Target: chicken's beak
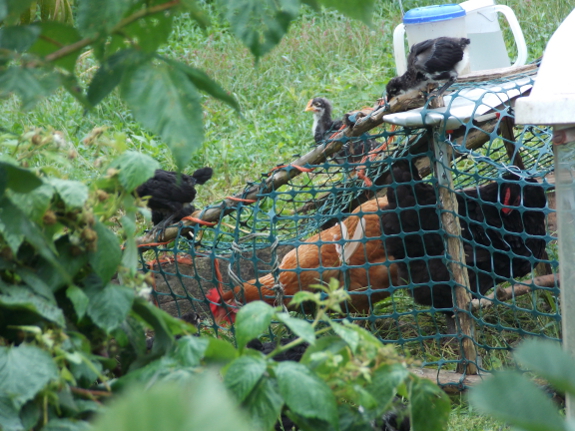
(309, 106)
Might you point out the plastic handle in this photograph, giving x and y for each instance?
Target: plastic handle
(517, 33)
(399, 49)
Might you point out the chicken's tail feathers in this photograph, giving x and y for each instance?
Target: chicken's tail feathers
(202, 175)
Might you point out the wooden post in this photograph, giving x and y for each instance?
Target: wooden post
(564, 140)
(443, 153)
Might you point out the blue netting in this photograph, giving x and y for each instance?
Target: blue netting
(250, 239)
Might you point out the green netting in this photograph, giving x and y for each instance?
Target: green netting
(251, 240)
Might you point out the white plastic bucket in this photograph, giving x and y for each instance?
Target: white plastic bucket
(487, 49)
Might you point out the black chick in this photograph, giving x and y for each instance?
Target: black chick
(397, 420)
(324, 126)
(293, 354)
(190, 317)
(499, 241)
(429, 62)
(171, 194)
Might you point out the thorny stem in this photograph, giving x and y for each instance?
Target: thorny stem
(45, 409)
(68, 49)
(88, 393)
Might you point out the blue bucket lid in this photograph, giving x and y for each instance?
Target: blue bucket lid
(434, 13)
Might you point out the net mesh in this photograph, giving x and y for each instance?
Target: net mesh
(288, 238)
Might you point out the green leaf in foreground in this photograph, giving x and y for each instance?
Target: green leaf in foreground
(25, 301)
(162, 99)
(220, 351)
(13, 9)
(384, 383)
(362, 10)
(549, 360)
(9, 416)
(299, 327)
(265, 403)
(110, 73)
(252, 320)
(24, 371)
(201, 404)
(79, 300)
(316, 401)
(54, 36)
(34, 203)
(19, 37)
(19, 179)
(110, 306)
(100, 16)
(73, 193)
(108, 254)
(244, 374)
(31, 85)
(515, 399)
(260, 24)
(14, 225)
(429, 406)
(204, 83)
(67, 425)
(135, 169)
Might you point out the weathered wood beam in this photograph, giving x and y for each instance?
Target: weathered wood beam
(506, 293)
(452, 228)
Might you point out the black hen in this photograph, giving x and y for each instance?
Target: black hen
(324, 126)
(431, 61)
(171, 194)
(293, 354)
(499, 240)
(190, 317)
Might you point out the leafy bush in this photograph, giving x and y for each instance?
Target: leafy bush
(345, 381)
(513, 397)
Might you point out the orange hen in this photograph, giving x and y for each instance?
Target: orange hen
(299, 268)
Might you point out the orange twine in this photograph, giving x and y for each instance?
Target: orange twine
(249, 201)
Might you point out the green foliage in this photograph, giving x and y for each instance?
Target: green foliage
(126, 36)
(65, 292)
(195, 403)
(336, 376)
(514, 398)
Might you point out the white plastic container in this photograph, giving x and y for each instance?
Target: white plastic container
(487, 49)
(425, 23)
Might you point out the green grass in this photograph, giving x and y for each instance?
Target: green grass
(323, 54)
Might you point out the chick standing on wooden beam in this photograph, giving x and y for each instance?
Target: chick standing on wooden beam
(324, 127)
(432, 61)
(323, 124)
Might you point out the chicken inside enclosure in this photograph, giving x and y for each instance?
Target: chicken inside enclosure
(324, 127)
(318, 260)
(502, 228)
(171, 194)
(432, 61)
